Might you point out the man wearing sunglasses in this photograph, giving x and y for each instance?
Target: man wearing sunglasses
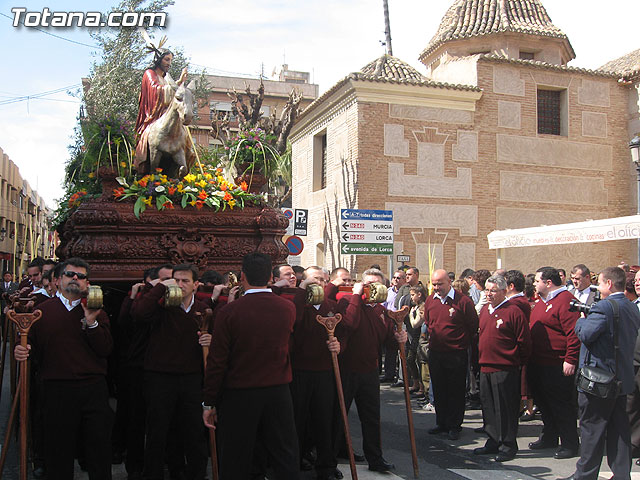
(71, 344)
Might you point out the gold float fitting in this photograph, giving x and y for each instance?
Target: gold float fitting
(173, 296)
(376, 293)
(94, 297)
(315, 294)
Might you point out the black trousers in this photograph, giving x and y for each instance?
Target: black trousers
(603, 422)
(74, 408)
(555, 394)
(168, 395)
(314, 396)
(633, 410)
(136, 418)
(390, 363)
(250, 415)
(449, 377)
(364, 388)
(500, 397)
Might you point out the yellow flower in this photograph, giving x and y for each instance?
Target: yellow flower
(123, 164)
(190, 178)
(148, 200)
(180, 188)
(231, 203)
(220, 178)
(92, 175)
(208, 176)
(202, 183)
(192, 203)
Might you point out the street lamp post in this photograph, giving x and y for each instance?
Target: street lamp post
(634, 146)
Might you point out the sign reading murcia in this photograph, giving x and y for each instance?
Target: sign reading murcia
(621, 228)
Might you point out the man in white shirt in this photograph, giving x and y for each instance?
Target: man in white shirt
(581, 278)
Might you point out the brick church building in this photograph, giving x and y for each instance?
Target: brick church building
(499, 132)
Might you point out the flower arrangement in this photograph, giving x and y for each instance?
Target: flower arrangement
(250, 151)
(209, 189)
(109, 141)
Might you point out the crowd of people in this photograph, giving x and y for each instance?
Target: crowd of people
(243, 354)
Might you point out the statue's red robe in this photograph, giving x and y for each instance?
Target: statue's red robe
(155, 96)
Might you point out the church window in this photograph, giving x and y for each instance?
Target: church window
(552, 112)
(320, 161)
(526, 55)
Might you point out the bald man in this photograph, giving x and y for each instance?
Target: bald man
(452, 322)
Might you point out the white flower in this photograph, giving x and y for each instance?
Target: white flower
(122, 181)
(159, 189)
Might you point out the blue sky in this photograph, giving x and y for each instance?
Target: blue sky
(329, 38)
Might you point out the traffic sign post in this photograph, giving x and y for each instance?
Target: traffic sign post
(300, 221)
(366, 232)
(295, 245)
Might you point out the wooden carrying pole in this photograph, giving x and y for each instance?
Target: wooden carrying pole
(329, 323)
(24, 321)
(204, 328)
(398, 318)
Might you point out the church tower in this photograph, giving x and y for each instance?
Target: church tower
(513, 29)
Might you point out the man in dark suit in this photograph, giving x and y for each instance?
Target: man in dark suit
(581, 278)
(604, 420)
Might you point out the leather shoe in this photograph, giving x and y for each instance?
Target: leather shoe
(541, 445)
(484, 451)
(397, 385)
(480, 430)
(505, 457)
(381, 466)
(437, 429)
(454, 434)
(338, 474)
(563, 453)
(572, 477)
(39, 472)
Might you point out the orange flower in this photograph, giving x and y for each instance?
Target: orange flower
(244, 186)
(168, 204)
(118, 192)
(219, 170)
(143, 182)
(159, 170)
(199, 204)
(157, 183)
(172, 190)
(227, 197)
(202, 195)
(223, 186)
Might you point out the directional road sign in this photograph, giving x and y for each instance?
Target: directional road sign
(366, 237)
(366, 249)
(366, 232)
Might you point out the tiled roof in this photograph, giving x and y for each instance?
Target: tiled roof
(390, 68)
(549, 66)
(628, 65)
(473, 18)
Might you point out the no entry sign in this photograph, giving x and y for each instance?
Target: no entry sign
(294, 244)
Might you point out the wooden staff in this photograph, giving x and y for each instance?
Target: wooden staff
(24, 322)
(204, 328)
(329, 323)
(7, 433)
(398, 318)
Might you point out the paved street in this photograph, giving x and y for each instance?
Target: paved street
(439, 458)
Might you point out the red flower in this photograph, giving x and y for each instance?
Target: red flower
(202, 195)
(143, 182)
(223, 187)
(168, 204)
(159, 170)
(199, 204)
(244, 186)
(227, 197)
(118, 192)
(172, 190)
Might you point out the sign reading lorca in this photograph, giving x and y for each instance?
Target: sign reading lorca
(366, 232)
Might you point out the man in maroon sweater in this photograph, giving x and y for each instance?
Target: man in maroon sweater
(452, 322)
(71, 344)
(313, 386)
(515, 292)
(368, 328)
(504, 346)
(246, 388)
(173, 368)
(552, 366)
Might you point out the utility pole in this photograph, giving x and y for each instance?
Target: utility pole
(387, 27)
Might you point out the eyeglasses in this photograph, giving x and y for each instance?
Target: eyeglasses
(71, 274)
(397, 278)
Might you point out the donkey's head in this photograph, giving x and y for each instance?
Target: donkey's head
(184, 98)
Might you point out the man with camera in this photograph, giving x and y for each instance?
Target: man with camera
(608, 335)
